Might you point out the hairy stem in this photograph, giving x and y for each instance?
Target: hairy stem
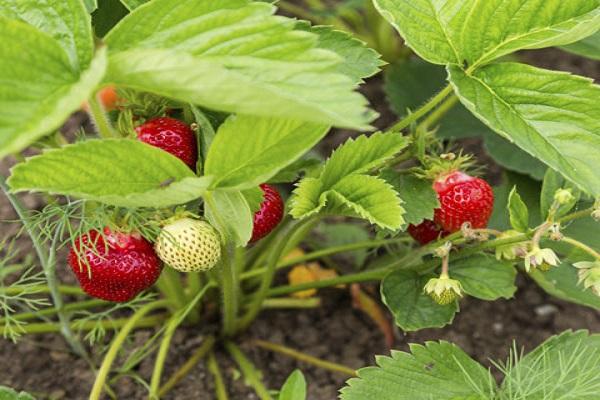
(100, 119)
(41, 289)
(229, 290)
(249, 370)
(439, 112)
(289, 302)
(185, 369)
(422, 111)
(582, 246)
(116, 345)
(298, 355)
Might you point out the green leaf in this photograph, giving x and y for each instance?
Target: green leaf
(529, 191)
(484, 277)
(42, 89)
(562, 282)
(254, 196)
(230, 213)
(418, 195)
(118, 172)
(108, 14)
(553, 181)
(357, 156)
(477, 32)
(294, 387)
(360, 196)
(234, 56)
(411, 83)
(588, 47)
(7, 393)
(90, 5)
(517, 210)
(566, 366)
(551, 115)
(248, 151)
(360, 61)
(402, 292)
(133, 4)
(437, 370)
(66, 21)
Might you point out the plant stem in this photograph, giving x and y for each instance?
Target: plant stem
(170, 286)
(163, 350)
(249, 370)
(63, 289)
(47, 258)
(582, 246)
(100, 119)
(430, 105)
(289, 302)
(439, 112)
(52, 327)
(185, 369)
(324, 253)
(81, 305)
(213, 367)
(269, 274)
(331, 366)
(365, 276)
(115, 346)
(577, 214)
(229, 289)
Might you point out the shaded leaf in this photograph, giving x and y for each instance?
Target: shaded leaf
(484, 277)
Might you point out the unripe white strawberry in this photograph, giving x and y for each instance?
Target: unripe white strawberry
(189, 245)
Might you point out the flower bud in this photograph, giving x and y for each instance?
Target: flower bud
(443, 250)
(563, 196)
(589, 275)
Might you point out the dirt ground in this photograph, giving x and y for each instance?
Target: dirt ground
(337, 332)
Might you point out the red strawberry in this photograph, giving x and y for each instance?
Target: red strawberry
(269, 215)
(172, 136)
(427, 231)
(114, 267)
(463, 198)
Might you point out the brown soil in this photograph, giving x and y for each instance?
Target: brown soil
(41, 364)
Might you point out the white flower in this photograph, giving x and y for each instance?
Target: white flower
(541, 258)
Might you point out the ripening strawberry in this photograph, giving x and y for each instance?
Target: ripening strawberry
(189, 245)
(114, 266)
(463, 198)
(269, 215)
(172, 136)
(108, 98)
(426, 232)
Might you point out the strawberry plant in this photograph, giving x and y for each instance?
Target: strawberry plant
(199, 179)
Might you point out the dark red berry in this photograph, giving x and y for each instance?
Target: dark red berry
(270, 213)
(172, 136)
(427, 231)
(114, 267)
(463, 198)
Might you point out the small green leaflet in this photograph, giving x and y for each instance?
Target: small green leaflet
(138, 175)
(517, 211)
(294, 387)
(233, 56)
(342, 189)
(248, 150)
(10, 394)
(402, 293)
(484, 277)
(418, 195)
(478, 32)
(551, 115)
(437, 370)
